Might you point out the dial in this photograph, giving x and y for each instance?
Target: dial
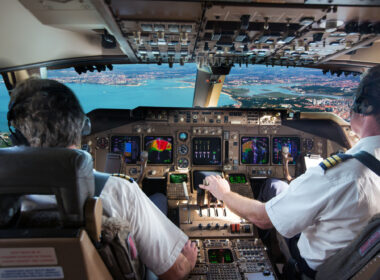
(102, 143)
(183, 136)
(183, 163)
(183, 149)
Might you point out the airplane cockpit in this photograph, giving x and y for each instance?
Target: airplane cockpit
(172, 149)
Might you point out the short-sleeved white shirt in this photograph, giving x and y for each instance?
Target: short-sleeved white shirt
(159, 242)
(328, 208)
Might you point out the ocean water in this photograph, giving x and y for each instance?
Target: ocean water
(155, 92)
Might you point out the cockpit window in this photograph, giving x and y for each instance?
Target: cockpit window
(300, 89)
(130, 86)
(4, 100)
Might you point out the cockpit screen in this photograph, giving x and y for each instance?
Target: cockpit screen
(294, 148)
(237, 179)
(220, 256)
(159, 148)
(128, 146)
(254, 150)
(207, 151)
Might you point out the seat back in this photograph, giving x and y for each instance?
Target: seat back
(64, 251)
(359, 260)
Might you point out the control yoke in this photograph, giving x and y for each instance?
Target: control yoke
(143, 162)
(285, 161)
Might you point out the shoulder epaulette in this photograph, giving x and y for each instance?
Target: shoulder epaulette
(126, 177)
(334, 160)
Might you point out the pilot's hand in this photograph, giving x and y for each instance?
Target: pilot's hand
(190, 251)
(216, 185)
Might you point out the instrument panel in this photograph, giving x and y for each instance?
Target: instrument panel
(230, 140)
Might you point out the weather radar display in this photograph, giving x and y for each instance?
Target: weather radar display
(254, 150)
(159, 148)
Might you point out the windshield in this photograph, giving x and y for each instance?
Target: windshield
(130, 86)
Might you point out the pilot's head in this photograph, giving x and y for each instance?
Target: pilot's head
(365, 117)
(367, 98)
(46, 113)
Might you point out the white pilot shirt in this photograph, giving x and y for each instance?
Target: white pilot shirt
(328, 208)
(159, 242)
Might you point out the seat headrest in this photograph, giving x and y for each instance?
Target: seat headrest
(65, 173)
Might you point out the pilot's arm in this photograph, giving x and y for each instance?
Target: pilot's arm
(162, 246)
(250, 209)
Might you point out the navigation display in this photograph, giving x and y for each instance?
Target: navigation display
(207, 151)
(254, 150)
(128, 146)
(159, 148)
(294, 148)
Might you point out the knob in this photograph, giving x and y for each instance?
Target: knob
(194, 131)
(205, 131)
(218, 117)
(219, 131)
(138, 130)
(153, 172)
(200, 227)
(208, 226)
(149, 130)
(182, 119)
(217, 226)
(225, 226)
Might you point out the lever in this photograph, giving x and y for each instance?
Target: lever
(143, 162)
(285, 161)
(184, 185)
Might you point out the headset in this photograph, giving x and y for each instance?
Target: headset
(18, 139)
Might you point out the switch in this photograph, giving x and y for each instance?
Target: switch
(246, 229)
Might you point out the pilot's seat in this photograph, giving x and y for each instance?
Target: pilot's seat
(52, 242)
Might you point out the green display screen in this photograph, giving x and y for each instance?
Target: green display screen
(237, 179)
(220, 256)
(178, 178)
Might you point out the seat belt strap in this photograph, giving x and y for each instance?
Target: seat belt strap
(368, 160)
(100, 180)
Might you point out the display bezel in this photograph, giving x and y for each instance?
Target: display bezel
(157, 137)
(294, 158)
(139, 146)
(206, 164)
(269, 150)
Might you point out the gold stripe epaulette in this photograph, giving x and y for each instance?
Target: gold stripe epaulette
(333, 161)
(126, 177)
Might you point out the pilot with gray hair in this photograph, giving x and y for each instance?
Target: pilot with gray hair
(324, 209)
(46, 113)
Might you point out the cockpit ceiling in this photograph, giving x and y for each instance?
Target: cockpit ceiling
(336, 35)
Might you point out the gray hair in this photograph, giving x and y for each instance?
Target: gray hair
(47, 113)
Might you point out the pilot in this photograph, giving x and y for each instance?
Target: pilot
(329, 204)
(47, 114)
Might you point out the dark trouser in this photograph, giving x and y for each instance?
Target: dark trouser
(272, 188)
